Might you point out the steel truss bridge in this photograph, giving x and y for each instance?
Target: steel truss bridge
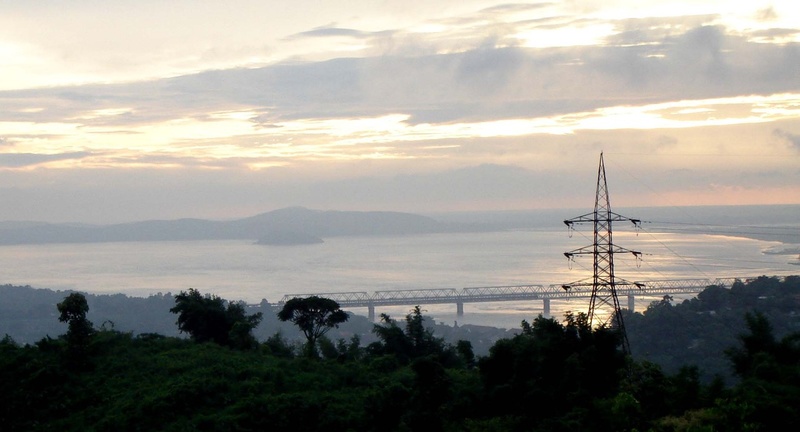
(545, 293)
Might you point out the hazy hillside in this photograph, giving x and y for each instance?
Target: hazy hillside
(774, 223)
(302, 221)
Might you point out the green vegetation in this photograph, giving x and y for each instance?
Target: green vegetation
(314, 316)
(207, 319)
(73, 312)
(553, 375)
(698, 331)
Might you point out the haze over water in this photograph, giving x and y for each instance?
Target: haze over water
(240, 270)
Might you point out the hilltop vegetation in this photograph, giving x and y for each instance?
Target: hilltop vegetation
(699, 330)
(672, 335)
(28, 314)
(552, 375)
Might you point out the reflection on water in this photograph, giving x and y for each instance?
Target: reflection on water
(241, 270)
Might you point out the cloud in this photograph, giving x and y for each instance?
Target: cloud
(775, 35)
(477, 83)
(515, 7)
(329, 31)
(426, 105)
(792, 139)
(18, 160)
(766, 14)
(654, 31)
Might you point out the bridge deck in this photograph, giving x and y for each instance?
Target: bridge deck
(511, 293)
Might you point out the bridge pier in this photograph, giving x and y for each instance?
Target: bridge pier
(546, 307)
(371, 312)
(459, 309)
(631, 302)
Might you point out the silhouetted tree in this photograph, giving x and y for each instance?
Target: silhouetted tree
(769, 394)
(209, 318)
(557, 368)
(73, 312)
(413, 341)
(464, 349)
(278, 346)
(314, 316)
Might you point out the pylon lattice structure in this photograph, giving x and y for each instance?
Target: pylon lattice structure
(604, 283)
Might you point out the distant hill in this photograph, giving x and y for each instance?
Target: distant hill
(303, 223)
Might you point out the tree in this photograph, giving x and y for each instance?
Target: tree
(769, 393)
(73, 312)
(464, 348)
(393, 340)
(209, 318)
(413, 342)
(558, 368)
(314, 316)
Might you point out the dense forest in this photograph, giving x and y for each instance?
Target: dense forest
(726, 360)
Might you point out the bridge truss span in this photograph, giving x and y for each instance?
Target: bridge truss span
(680, 286)
(504, 293)
(347, 299)
(544, 293)
(416, 296)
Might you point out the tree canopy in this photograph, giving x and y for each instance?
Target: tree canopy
(414, 341)
(552, 375)
(73, 309)
(314, 316)
(73, 312)
(209, 318)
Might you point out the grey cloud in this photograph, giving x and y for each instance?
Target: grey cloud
(701, 63)
(664, 142)
(17, 160)
(193, 162)
(703, 47)
(689, 65)
(484, 83)
(151, 100)
(636, 31)
(775, 33)
(792, 139)
(515, 7)
(328, 32)
(487, 69)
(766, 14)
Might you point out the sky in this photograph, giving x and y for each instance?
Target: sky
(115, 111)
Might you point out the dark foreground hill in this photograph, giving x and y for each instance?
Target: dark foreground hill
(693, 332)
(551, 376)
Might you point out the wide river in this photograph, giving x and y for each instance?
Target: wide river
(240, 270)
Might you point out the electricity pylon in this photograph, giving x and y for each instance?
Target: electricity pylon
(603, 283)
